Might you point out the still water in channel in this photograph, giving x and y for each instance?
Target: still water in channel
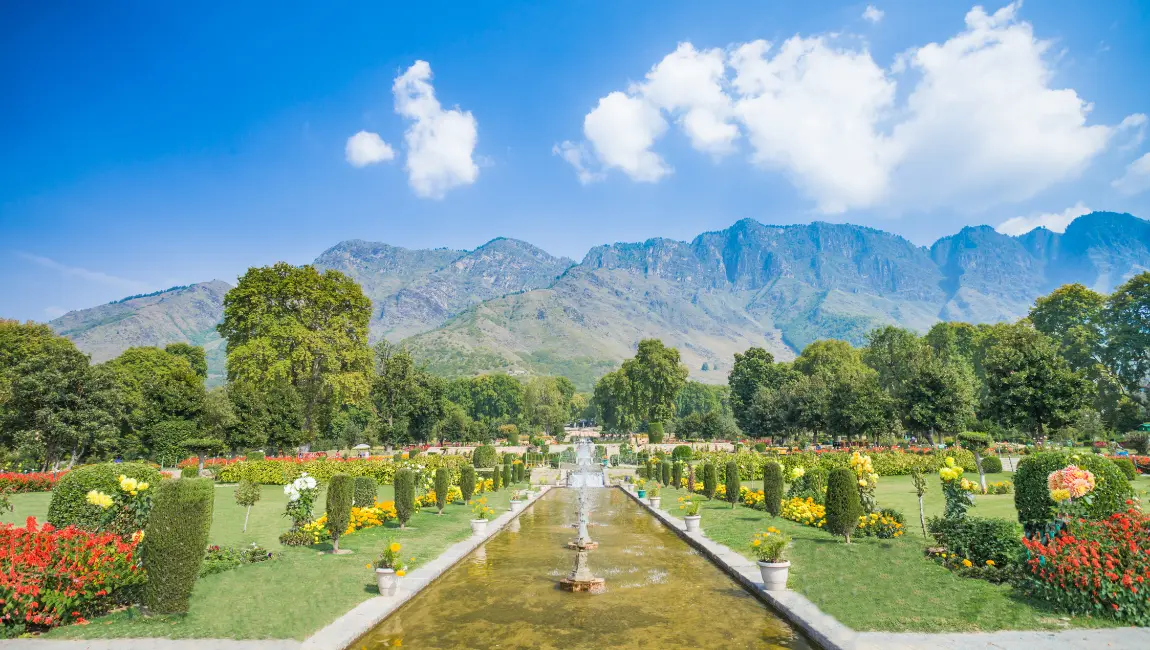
(660, 592)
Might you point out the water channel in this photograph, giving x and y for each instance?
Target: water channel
(660, 592)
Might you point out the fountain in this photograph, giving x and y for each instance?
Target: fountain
(581, 579)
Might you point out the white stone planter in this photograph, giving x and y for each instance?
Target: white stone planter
(478, 526)
(774, 575)
(655, 501)
(516, 506)
(692, 522)
(387, 580)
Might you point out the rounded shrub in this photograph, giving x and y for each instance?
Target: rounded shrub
(442, 484)
(340, 496)
(1126, 466)
(174, 542)
(843, 507)
(467, 482)
(484, 456)
(732, 482)
(655, 432)
(681, 452)
(773, 488)
(991, 465)
(404, 496)
(366, 490)
(69, 505)
(507, 475)
(1032, 496)
(710, 480)
(189, 472)
(760, 447)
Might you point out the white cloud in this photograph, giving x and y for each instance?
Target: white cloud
(1137, 177)
(98, 277)
(873, 14)
(578, 157)
(979, 123)
(1055, 221)
(367, 148)
(440, 143)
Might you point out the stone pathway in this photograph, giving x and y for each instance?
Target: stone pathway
(830, 634)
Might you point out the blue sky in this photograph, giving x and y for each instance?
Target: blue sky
(144, 145)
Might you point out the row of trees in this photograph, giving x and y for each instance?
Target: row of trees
(1076, 366)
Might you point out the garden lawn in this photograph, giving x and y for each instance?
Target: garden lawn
(882, 584)
(290, 597)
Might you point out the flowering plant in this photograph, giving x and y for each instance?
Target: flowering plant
(956, 489)
(51, 576)
(1070, 489)
(867, 480)
(480, 509)
(301, 495)
(689, 506)
(770, 546)
(127, 511)
(805, 511)
(653, 491)
(389, 558)
(34, 482)
(797, 472)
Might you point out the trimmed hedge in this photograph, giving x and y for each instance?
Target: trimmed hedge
(991, 465)
(484, 457)
(666, 473)
(886, 463)
(681, 452)
(442, 484)
(496, 478)
(366, 490)
(69, 505)
(404, 496)
(340, 496)
(655, 432)
(1032, 497)
(979, 539)
(507, 479)
(710, 480)
(174, 542)
(190, 472)
(843, 505)
(732, 482)
(467, 482)
(773, 488)
(676, 474)
(1127, 467)
(282, 472)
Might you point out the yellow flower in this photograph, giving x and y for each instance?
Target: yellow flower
(128, 484)
(966, 562)
(755, 543)
(1060, 495)
(401, 573)
(98, 498)
(990, 563)
(394, 548)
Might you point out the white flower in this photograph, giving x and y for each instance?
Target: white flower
(309, 482)
(293, 495)
(287, 489)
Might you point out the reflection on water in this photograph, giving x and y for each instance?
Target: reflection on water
(661, 594)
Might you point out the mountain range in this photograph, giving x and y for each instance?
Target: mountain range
(510, 306)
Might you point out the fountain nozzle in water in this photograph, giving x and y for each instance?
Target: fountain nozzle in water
(580, 579)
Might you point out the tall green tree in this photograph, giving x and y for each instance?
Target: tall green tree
(939, 396)
(309, 329)
(656, 375)
(751, 371)
(156, 386)
(1127, 320)
(193, 353)
(546, 404)
(409, 402)
(612, 402)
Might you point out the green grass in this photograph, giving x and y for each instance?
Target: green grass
(889, 585)
(290, 597)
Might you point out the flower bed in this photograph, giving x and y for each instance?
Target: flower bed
(283, 471)
(36, 482)
(1096, 567)
(51, 577)
(377, 515)
(889, 462)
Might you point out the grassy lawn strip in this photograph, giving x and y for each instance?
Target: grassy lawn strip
(884, 584)
(290, 597)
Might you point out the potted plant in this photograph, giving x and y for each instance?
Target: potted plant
(691, 517)
(769, 548)
(481, 513)
(641, 489)
(653, 497)
(518, 500)
(389, 569)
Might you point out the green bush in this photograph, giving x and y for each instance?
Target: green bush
(496, 478)
(676, 474)
(991, 465)
(1137, 441)
(710, 480)
(979, 539)
(507, 479)
(655, 432)
(843, 505)
(340, 496)
(681, 452)
(484, 457)
(442, 484)
(773, 488)
(69, 505)
(254, 455)
(1032, 497)
(732, 482)
(666, 473)
(467, 482)
(247, 495)
(276, 472)
(1126, 466)
(366, 489)
(189, 472)
(404, 496)
(174, 542)
(760, 447)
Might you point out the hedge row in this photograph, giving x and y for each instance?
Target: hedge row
(274, 472)
(1032, 496)
(69, 505)
(886, 463)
